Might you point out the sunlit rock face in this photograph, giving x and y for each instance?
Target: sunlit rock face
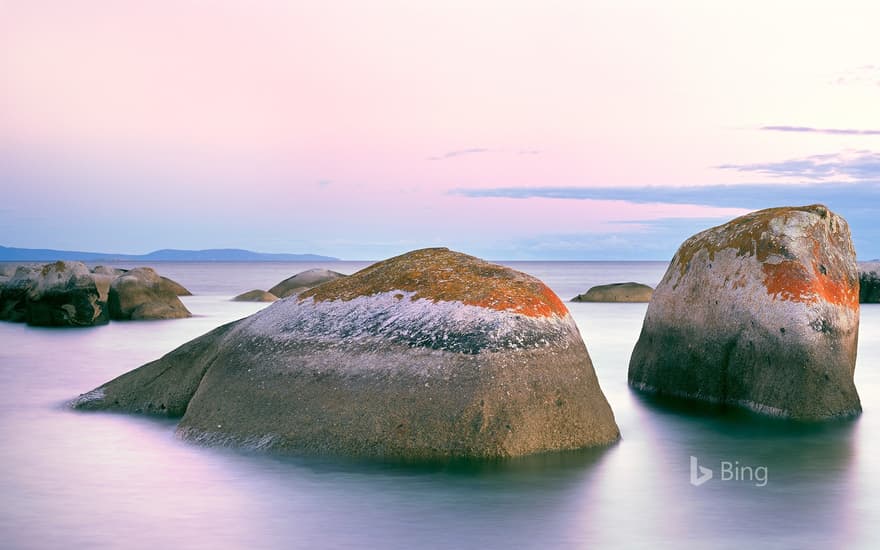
(425, 355)
(256, 295)
(303, 281)
(616, 292)
(761, 312)
(142, 294)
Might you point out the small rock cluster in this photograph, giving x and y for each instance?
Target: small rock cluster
(69, 294)
(290, 286)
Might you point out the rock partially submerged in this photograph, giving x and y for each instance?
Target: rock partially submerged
(761, 312)
(303, 281)
(69, 294)
(141, 294)
(64, 294)
(255, 296)
(616, 292)
(429, 354)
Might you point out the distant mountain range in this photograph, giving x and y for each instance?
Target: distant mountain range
(165, 255)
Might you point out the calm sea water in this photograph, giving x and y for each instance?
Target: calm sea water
(99, 480)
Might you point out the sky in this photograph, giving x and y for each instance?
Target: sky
(501, 128)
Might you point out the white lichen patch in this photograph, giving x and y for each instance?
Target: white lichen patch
(96, 394)
(397, 316)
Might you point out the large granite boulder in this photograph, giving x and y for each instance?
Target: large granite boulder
(425, 355)
(762, 313)
(141, 294)
(65, 294)
(616, 292)
(303, 281)
(256, 295)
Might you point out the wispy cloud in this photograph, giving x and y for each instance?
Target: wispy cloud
(478, 150)
(459, 153)
(847, 165)
(751, 196)
(864, 75)
(830, 131)
(858, 202)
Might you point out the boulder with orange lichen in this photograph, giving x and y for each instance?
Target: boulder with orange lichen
(762, 313)
(426, 355)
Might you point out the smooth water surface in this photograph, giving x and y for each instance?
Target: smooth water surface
(99, 480)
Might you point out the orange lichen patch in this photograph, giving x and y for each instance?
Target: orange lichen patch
(440, 274)
(748, 235)
(804, 259)
(793, 282)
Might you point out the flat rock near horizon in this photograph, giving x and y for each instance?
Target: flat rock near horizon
(617, 292)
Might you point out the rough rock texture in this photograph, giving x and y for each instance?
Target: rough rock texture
(616, 292)
(64, 294)
(8, 270)
(303, 281)
(429, 354)
(255, 296)
(141, 294)
(13, 294)
(761, 312)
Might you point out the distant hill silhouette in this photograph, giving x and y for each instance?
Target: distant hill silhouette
(8, 254)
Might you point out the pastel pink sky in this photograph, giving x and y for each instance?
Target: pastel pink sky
(348, 128)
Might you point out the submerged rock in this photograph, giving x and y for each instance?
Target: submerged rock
(761, 312)
(616, 292)
(429, 354)
(141, 294)
(303, 281)
(65, 294)
(255, 296)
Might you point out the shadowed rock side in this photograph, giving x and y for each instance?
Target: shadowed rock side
(13, 294)
(761, 312)
(141, 294)
(255, 296)
(69, 294)
(869, 287)
(303, 281)
(62, 294)
(616, 292)
(429, 354)
(65, 294)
